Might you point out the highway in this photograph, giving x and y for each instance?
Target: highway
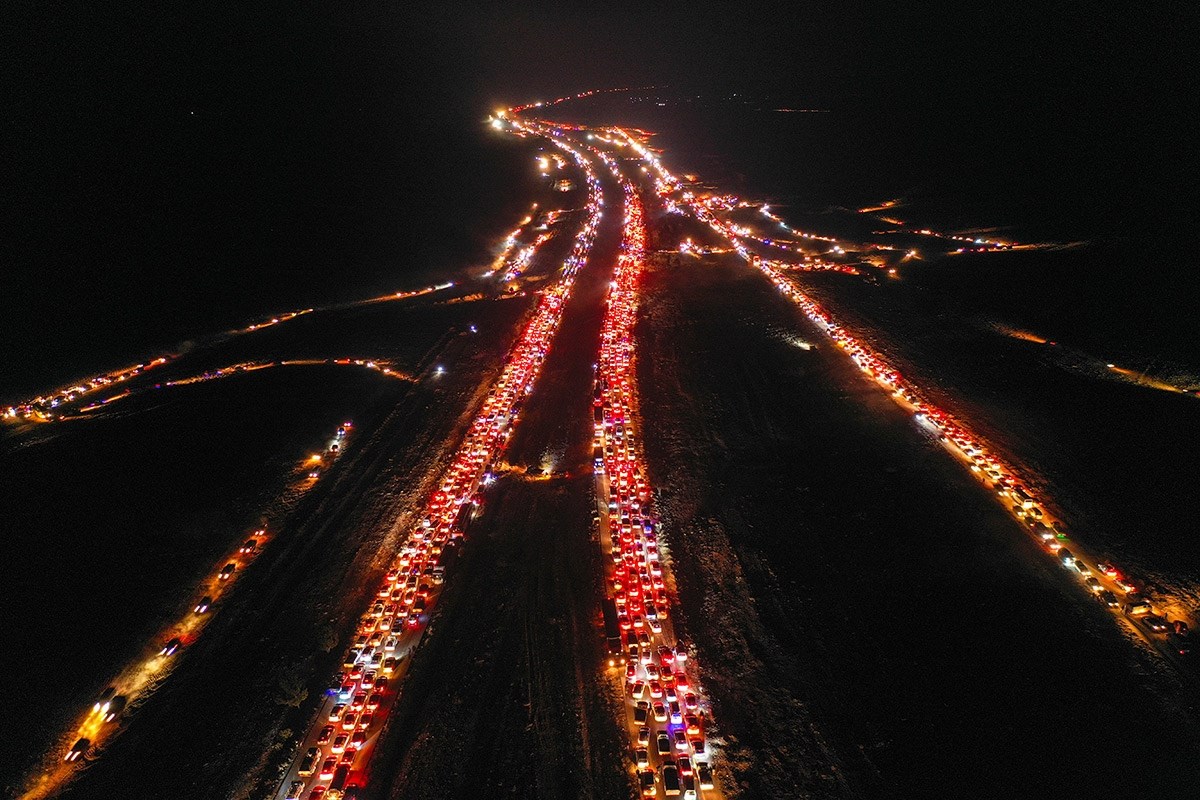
(674, 743)
(667, 714)
(335, 753)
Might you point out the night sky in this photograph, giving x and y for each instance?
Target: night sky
(173, 168)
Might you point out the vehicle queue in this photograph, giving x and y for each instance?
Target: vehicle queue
(667, 717)
(337, 755)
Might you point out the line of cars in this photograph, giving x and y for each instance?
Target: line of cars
(335, 750)
(47, 408)
(116, 698)
(59, 402)
(667, 718)
(1107, 583)
(1110, 585)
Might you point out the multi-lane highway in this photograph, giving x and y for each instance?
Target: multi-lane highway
(674, 746)
(667, 714)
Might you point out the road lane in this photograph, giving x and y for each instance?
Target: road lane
(408, 596)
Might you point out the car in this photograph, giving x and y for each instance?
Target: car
(1108, 598)
(685, 765)
(1126, 585)
(104, 700)
(226, 571)
(204, 605)
(656, 689)
(642, 757)
(1181, 643)
(327, 768)
(697, 744)
(335, 713)
(1107, 570)
(1093, 584)
(294, 790)
(641, 712)
(692, 723)
(1082, 568)
(170, 647)
(1066, 557)
(78, 749)
(643, 737)
(704, 772)
(639, 690)
(663, 742)
(249, 546)
(1136, 605)
(671, 785)
(349, 721)
(318, 792)
(676, 712)
(647, 780)
(1155, 623)
(358, 738)
(115, 707)
(339, 743)
(660, 712)
(681, 742)
(308, 764)
(691, 702)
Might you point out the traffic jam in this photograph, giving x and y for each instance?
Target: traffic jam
(335, 754)
(1163, 622)
(138, 679)
(60, 403)
(667, 716)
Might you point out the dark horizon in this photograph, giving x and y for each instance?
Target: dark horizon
(174, 168)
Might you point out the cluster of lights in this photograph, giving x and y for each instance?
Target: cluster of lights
(659, 693)
(51, 407)
(383, 367)
(44, 408)
(982, 460)
(400, 613)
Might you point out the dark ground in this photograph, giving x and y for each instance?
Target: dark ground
(1119, 459)
(862, 608)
